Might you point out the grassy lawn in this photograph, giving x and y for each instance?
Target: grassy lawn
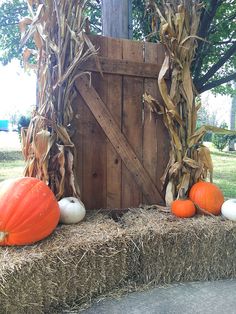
(225, 172)
(11, 159)
(12, 166)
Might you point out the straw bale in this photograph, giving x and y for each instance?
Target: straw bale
(80, 262)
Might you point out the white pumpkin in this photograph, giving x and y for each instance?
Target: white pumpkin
(72, 210)
(228, 209)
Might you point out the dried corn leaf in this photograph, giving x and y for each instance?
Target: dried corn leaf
(204, 155)
(191, 163)
(184, 184)
(57, 29)
(60, 159)
(42, 144)
(174, 169)
(178, 29)
(63, 135)
(170, 192)
(164, 90)
(24, 22)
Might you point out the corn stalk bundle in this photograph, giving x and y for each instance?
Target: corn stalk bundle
(190, 161)
(57, 29)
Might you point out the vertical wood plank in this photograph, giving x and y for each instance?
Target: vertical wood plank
(132, 121)
(77, 138)
(151, 161)
(114, 104)
(94, 145)
(163, 141)
(117, 18)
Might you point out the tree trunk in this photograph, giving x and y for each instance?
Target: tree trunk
(232, 121)
(117, 18)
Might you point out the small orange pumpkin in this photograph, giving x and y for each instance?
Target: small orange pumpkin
(29, 211)
(207, 196)
(183, 208)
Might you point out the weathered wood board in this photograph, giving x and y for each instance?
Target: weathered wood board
(123, 148)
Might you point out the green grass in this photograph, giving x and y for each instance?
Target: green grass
(225, 172)
(12, 166)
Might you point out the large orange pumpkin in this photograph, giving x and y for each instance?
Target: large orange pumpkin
(207, 196)
(29, 211)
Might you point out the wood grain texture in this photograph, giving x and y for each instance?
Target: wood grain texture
(94, 146)
(132, 121)
(128, 171)
(118, 140)
(150, 160)
(116, 21)
(114, 105)
(124, 67)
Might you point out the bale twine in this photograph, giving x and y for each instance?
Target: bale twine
(80, 262)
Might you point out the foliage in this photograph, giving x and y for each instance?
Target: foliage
(225, 171)
(10, 14)
(215, 59)
(23, 122)
(220, 141)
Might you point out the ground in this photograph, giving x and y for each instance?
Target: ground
(12, 164)
(11, 159)
(198, 297)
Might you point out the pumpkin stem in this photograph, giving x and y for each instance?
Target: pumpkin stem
(3, 235)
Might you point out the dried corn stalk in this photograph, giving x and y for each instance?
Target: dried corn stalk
(189, 161)
(57, 29)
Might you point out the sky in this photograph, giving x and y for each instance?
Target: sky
(17, 90)
(219, 104)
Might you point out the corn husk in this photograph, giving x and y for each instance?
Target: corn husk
(190, 161)
(57, 29)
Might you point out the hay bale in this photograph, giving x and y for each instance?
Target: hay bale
(81, 262)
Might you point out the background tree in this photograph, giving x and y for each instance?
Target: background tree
(214, 66)
(233, 120)
(11, 13)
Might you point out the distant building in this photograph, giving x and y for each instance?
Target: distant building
(4, 125)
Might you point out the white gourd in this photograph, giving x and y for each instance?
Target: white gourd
(228, 209)
(72, 210)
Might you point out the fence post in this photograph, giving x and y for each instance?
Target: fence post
(117, 18)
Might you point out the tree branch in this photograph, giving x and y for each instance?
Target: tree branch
(206, 20)
(216, 83)
(216, 66)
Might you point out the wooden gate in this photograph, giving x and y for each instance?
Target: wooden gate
(122, 147)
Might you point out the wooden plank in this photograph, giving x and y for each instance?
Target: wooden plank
(114, 104)
(94, 145)
(77, 139)
(132, 122)
(163, 140)
(150, 155)
(124, 67)
(118, 140)
(117, 18)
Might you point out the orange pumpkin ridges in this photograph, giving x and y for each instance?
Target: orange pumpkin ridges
(183, 208)
(29, 211)
(207, 196)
